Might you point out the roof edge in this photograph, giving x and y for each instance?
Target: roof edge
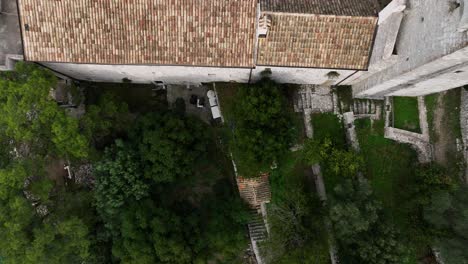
(320, 15)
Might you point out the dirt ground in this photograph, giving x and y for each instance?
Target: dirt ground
(56, 172)
(445, 141)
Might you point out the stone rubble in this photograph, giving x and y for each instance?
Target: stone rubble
(314, 98)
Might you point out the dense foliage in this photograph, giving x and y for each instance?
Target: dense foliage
(360, 228)
(448, 212)
(141, 195)
(169, 145)
(263, 129)
(151, 202)
(30, 117)
(295, 216)
(339, 162)
(36, 225)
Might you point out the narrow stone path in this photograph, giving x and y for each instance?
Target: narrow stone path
(322, 193)
(464, 127)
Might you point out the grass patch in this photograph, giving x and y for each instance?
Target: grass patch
(390, 167)
(406, 114)
(328, 125)
(139, 97)
(452, 106)
(226, 96)
(291, 168)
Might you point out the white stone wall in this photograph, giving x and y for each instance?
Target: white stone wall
(192, 75)
(302, 75)
(428, 34)
(148, 73)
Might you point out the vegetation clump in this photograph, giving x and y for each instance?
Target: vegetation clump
(160, 192)
(263, 128)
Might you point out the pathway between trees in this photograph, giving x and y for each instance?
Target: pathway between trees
(321, 192)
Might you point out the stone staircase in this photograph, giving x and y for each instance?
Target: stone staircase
(257, 228)
(313, 98)
(256, 193)
(366, 108)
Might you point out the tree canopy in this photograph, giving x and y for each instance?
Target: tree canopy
(360, 228)
(142, 196)
(448, 212)
(29, 116)
(263, 129)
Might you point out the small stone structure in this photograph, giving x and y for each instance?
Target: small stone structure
(314, 99)
(311, 99)
(365, 108)
(419, 142)
(351, 135)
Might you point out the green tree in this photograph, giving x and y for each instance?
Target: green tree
(66, 137)
(363, 235)
(29, 238)
(65, 242)
(29, 116)
(353, 210)
(263, 129)
(151, 235)
(169, 144)
(119, 177)
(109, 117)
(381, 245)
(448, 212)
(339, 162)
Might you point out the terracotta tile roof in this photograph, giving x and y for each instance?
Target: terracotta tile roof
(317, 41)
(323, 7)
(173, 32)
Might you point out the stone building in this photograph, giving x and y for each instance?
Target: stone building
(420, 48)
(11, 49)
(410, 48)
(192, 42)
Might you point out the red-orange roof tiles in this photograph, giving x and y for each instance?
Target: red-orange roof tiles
(317, 41)
(168, 32)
